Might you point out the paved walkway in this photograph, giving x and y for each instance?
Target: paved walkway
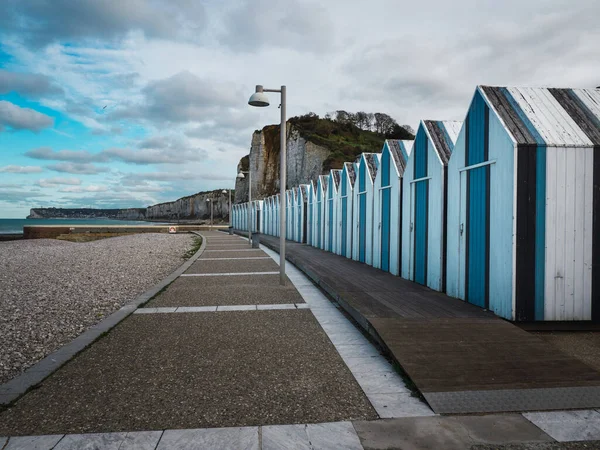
(460, 357)
(226, 358)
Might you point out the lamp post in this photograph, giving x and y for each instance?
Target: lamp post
(240, 176)
(229, 211)
(261, 100)
(211, 211)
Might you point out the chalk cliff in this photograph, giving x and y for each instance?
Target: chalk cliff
(314, 146)
(304, 162)
(191, 208)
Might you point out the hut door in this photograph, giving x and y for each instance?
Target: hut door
(344, 222)
(411, 237)
(462, 239)
(362, 226)
(384, 232)
(474, 233)
(419, 223)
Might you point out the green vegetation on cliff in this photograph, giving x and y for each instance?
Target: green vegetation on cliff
(346, 135)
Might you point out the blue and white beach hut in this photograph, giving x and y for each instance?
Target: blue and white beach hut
(277, 210)
(320, 192)
(289, 214)
(331, 210)
(345, 201)
(362, 236)
(257, 216)
(424, 204)
(387, 207)
(524, 204)
(311, 210)
(273, 215)
(268, 214)
(302, 212)
(296, 226)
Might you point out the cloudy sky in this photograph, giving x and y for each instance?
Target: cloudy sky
(112, 103)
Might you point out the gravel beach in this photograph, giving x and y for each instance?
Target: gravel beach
(51, 291)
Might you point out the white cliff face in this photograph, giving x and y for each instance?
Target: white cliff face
(194, 207)
(304, 163)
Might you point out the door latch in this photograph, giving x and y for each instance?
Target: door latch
(462, 227)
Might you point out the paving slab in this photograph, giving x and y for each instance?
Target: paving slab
(227, 246)
(141, 440)
(232, 266)
(285, 437)
(242, 438)
(231, 368)
(198, 291)
(393, 405)
(589, 445)
(583, 425)
(331, 436)
(32, 442)
(92, 441)
(448, 433)
(228, 253)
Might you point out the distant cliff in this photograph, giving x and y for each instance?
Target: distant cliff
(314, 146)
(87, 213)
(191, 208)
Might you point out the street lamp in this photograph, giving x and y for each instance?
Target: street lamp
(211, 211)
(240, 176)
(260, 99)
(229, 212)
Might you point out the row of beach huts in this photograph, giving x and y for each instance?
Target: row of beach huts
(501, 210)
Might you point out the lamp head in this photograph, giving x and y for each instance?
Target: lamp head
(240, 176)
(259, 98)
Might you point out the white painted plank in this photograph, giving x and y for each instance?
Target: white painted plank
(453, 129)
(590, 98)
(550, 261)
(570, 226)
(578, 234)
(571, 131)
(588, 233)
(560, 233)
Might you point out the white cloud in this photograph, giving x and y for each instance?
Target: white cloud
(17, 118)
(53, 182)
(79, 189)
(79, 156)
(21, 169)
(44, 21)
(28, 84)
(77, 168)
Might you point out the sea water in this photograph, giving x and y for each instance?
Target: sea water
(10, 226)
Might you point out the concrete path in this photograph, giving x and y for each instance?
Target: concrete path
(222, 360)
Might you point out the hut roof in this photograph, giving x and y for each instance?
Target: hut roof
(399, 153)
(323, 179)
(351, 173)
(336, 174)
(551, 116)
(372, 163)
(443, 135)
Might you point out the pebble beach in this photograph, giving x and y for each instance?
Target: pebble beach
(51, 291)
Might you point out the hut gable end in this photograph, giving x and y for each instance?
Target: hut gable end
(440, 142)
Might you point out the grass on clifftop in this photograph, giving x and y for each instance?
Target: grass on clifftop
(345, 141)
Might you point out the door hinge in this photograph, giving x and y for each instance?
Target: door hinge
(462, 228)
